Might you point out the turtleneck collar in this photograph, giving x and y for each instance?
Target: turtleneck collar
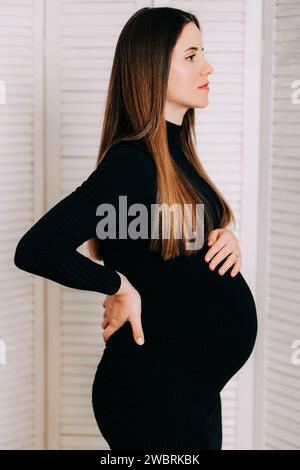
(173, 132)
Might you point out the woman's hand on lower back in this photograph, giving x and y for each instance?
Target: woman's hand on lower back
(124, 305)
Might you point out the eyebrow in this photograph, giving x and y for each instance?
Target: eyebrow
(193, 48)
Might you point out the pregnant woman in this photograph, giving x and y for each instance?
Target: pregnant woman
(197, 324)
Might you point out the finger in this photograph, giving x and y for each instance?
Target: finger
(220, 256)
(105, 322)
(109, 330)
(236, 268)
(137, 329)
(218, 245)
(231, 260)
(212, 237)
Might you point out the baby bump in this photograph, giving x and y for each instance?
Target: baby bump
(198, 307)
(190, 307)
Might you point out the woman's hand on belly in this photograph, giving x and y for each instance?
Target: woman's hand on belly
(124, 305)
(223, 244)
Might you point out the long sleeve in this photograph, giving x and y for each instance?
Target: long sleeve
(48, 249)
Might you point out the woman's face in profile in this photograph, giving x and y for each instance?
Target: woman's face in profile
(189, 70)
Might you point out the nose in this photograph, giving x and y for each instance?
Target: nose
(210, 68)
(207, 68)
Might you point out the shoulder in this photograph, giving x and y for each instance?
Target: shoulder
(126, 168)
(129, 157)
(130, 153)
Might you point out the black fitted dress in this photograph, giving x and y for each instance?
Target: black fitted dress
(200, 327)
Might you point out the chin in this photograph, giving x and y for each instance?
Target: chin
(200, 105)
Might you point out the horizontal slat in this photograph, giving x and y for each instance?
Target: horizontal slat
(81, 442)
(83, 411)
(278, 403)
(91, 339)
(278, 443)
(21, 10)
(287, 23)
(78, 360)
(283, 390)
(276, 239)
(84, 349)
(214, 6)
(283, 379)
(75, 380)
(75, 429)
(76, 329)
(83, 369)
(276, 324)
(20, 443)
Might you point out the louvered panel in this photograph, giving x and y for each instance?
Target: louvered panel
(220, 125)
(20, 395)
(282, 376)
(229, 415)
(84, 36)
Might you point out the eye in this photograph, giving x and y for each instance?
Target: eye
(191, 56)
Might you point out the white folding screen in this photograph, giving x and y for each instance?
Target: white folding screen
(80, 36)
(21, 202)
(280, 371)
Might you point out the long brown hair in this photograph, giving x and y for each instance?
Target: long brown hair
(135, 110)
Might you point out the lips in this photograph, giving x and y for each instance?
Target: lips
(203, 85)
